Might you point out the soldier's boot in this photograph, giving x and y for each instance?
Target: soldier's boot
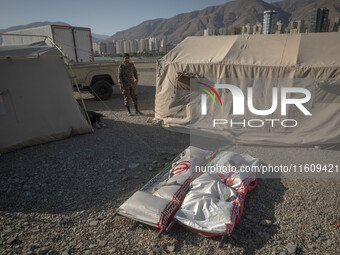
(129, 112)
(137, 111)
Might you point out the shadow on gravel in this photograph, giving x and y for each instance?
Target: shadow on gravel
(116, 102)
(82, 172)
(257, 224)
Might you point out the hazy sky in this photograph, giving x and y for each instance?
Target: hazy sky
(102, 16)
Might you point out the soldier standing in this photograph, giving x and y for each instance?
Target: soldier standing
(128, 79)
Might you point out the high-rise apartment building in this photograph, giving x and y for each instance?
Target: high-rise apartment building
(142, 45)
(318, 20)
(153, 44)
(296, 26)
(210, 31)
(257, 28)
(336, 25)
(110, 47)
(247, 29)
(119, 47)
(280, 27)
(269, 21)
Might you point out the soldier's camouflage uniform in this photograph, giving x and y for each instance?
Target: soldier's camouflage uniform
(127, 73)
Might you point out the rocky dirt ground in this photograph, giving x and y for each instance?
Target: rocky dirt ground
(59, 197)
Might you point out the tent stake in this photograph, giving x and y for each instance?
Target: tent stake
(115, 214)
(222, 241)
(170, 225)
(159, 233)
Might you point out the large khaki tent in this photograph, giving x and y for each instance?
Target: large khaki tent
(260, 62)
(36, 99)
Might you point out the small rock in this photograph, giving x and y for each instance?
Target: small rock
(6, 231)
(136, 177)
(34, 246)
(122, 170)
(94, 223)
(316, 234)
(133, 165)
(329, 242)
(16, 180)
(125, 178)
(43, 250)
(151, 168)
(266, 223)
(141, 225)
(11, 240)
(282, 253)
(156, 250)
(66, 252)
(113, 250)
(266, 236)
(157, 122)
(79, 245)
(171, 248)
(87, 252)
(155, 162)
(310, 246)
(102, 243)
(92, 246)
(291, 248)
(249, 217)
(109, 171)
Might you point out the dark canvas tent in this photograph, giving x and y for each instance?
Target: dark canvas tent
(310, 61)
(36, 101)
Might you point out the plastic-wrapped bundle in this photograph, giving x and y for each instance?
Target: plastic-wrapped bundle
(214, 204)
(157, 202)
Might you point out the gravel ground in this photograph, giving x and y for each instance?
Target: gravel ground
(59, 197)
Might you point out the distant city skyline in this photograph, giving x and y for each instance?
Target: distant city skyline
(102, 16)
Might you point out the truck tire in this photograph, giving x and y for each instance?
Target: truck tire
(102, 90)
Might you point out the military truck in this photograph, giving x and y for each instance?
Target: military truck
(97, 77)
(76, 45)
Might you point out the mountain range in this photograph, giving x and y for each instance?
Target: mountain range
(233, 13)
